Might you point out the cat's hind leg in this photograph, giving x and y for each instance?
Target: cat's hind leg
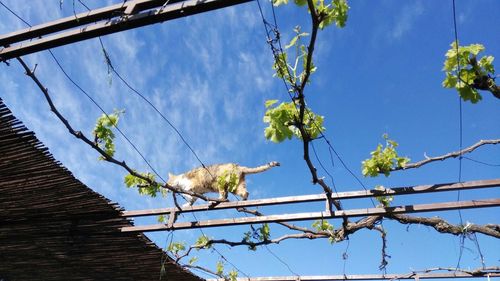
(190, 200)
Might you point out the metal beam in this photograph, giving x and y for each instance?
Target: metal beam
(414, 276)
(122, 23)
(85, 18)
(320, 215)
(320, 197)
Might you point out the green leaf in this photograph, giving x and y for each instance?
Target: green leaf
(219, 268)
(192, 260)
(300, 2)
(471, 69)
(176, 247)
(469, 94)
(282, 120)
(336, 12)
(229, 181)
(279, 2)
(103, 133)
(203, 242)
(270, 103)
(161, 219)
(383, 160)
(450, 81)
(233, 275)
(292, 42)
(322, 225)
(265, 232)
(151, 188)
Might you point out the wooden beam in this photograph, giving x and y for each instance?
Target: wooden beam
(320, 215)
(445, 275)
(320, 197)
(169, 12)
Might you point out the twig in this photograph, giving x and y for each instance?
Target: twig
(106, 157)
(443, 226)
(446, 156)
(369, 222)
(483, 271)
(383, 236)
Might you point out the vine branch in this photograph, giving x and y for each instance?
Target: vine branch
(454, 154)
(85, 139)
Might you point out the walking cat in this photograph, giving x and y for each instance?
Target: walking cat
(214, 178)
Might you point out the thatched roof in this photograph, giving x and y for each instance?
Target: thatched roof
(53, 227)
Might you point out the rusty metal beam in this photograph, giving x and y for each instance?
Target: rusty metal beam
(320, 197)
(122, 23)
(320, 215)
(414, 276)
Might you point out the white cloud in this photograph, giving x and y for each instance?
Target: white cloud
(406, 19)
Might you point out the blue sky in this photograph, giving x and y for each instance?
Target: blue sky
(210, 75)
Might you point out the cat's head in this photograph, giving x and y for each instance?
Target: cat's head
(172, 180)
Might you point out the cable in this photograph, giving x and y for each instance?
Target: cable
(90, 98)
(102, 110)
(164, 255)
(120, 77)
(481, 162)
(277, 40)
(462, 238)
(16, 15)
(283, 262)
(323, 167)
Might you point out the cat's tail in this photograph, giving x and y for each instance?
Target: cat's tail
(260, 169)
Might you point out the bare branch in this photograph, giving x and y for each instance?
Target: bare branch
(370, 222)
(483, 271)
(106, 157)
(383, 236)
(446, 156)
(443, 226)
(477, 271)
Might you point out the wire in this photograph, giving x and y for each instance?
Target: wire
(345, 257)
(120, 77)
(102, 110)
(270, 29)
(323, 167)
(90, 98)
(282, 261)
(481, 162)
(16, 15)
(164, 255)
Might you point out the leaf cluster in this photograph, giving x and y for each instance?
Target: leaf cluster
(383, 159)
(384, 200)
(203, 242)
(145, 187)
(324, 226)
(293, 74)
(472, 73)
(260, 234)
(103, 132)
(176, 247)
(229, 180)
(334, 12)
(283, 122)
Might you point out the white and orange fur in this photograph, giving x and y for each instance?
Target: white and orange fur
(204, 180)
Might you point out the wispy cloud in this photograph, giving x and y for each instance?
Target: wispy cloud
(406, 19)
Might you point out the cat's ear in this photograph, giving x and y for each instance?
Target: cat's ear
(170, 175)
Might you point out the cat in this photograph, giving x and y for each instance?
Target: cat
(203, 180)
